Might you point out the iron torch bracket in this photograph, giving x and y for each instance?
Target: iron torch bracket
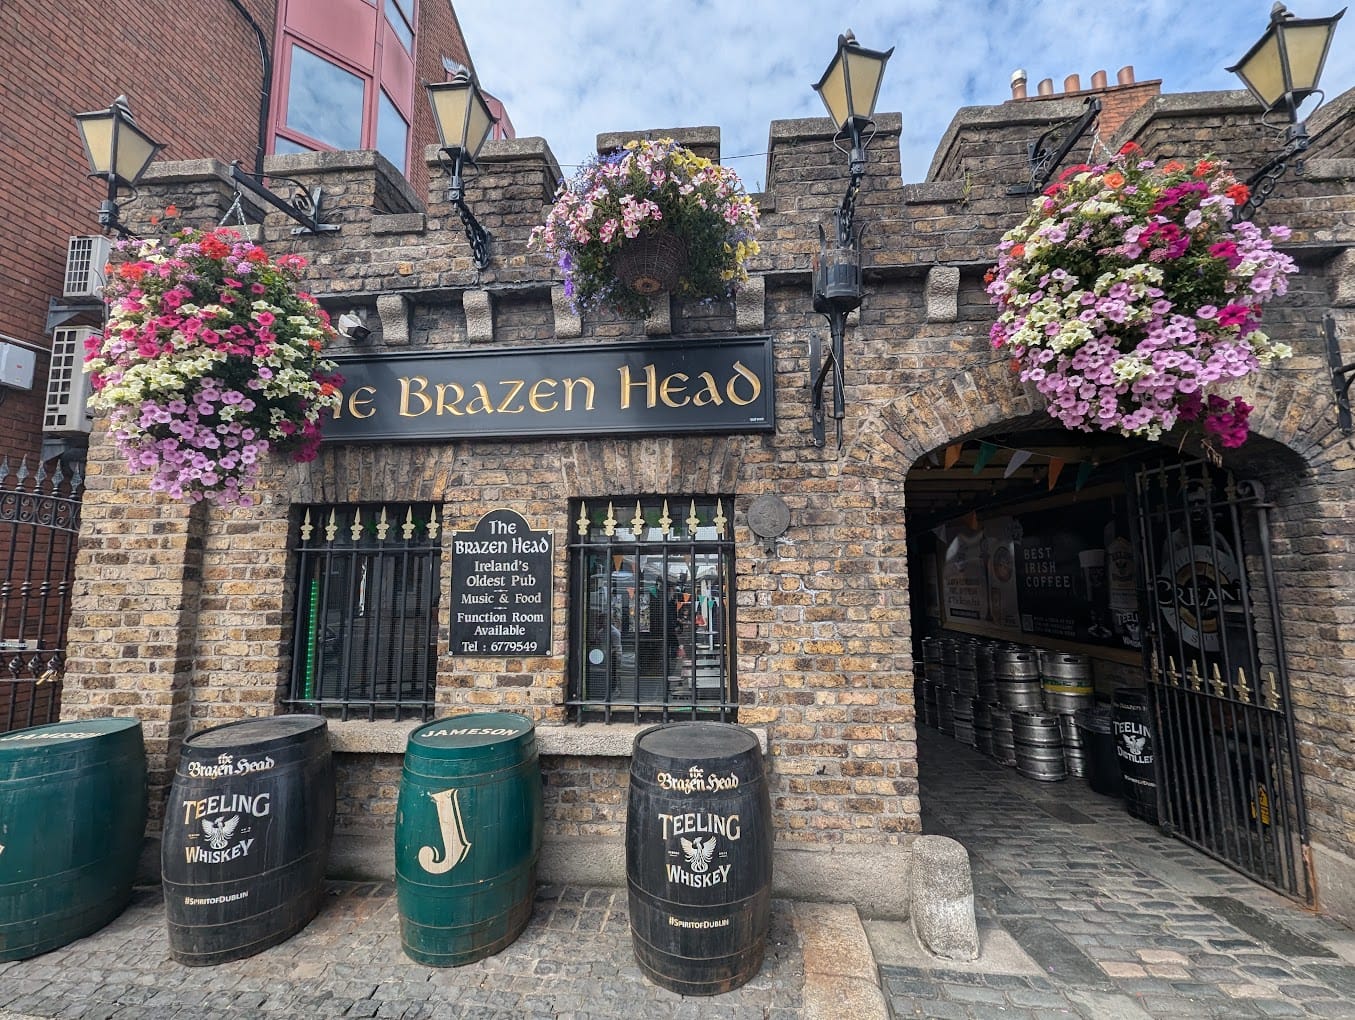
(1342, 375)
(837, 292)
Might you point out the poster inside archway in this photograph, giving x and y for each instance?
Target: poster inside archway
(1067, 573)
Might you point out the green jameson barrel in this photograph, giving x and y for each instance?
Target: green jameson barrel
(467, 837)
(72, 818)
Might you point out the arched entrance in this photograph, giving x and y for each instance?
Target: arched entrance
(1139, 568)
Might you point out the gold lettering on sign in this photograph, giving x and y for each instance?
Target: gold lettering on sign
(709, 392)
(506, 405)
(359, 403)
(480, 403)
(414, 387)
(647, 386)
(741, 371)
(588, 389)
(449, 407)
(672, 387)
(542, 391)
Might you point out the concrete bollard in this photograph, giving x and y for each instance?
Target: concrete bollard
(941, 899)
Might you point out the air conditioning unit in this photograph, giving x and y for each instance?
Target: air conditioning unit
(85, 260)
(67, 383)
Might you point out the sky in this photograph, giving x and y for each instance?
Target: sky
(569, 70)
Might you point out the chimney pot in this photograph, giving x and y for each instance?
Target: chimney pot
(1125, 75)
(1046, 87)
(1019, 83)
(1073, 83)
(1099, 80)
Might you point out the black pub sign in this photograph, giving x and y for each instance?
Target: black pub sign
(707, 385)
(501, 592)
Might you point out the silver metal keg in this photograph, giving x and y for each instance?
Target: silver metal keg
(1039, 746)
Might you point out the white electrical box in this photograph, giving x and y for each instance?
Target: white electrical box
(16, 366)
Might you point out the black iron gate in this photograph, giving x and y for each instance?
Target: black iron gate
(39, 525)
(1227, 766)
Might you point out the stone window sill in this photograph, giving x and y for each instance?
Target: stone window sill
(591, 740)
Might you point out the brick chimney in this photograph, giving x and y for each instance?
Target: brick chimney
(1118, 101)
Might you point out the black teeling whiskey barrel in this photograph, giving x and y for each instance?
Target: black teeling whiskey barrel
(698, 856)
(1134, 746)
(247, 833)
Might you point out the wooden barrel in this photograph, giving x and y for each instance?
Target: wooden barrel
(248, 826)
(72, 820)
(698, 856)
(467, 837)
(1135, 751)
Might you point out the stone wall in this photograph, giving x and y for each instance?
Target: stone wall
(825, 625)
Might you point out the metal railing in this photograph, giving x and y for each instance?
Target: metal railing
(39, 528)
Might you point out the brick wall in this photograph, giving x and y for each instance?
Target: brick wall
(198, 93)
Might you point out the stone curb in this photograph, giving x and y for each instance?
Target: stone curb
(841, 979)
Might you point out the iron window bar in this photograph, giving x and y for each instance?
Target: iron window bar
(366, 611)
(635, 655)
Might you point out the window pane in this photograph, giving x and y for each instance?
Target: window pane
(400, 21)
(324, 101)
(392, 133)
(651, 609)
(283, 146)
(366, 613)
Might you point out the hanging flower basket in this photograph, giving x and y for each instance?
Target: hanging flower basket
(211, 358)
(651, 262)
(649, 218)
(1132, 301)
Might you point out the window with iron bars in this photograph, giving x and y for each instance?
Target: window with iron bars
(652, 609)
(368, 577)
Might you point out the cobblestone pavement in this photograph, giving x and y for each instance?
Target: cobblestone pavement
(1085, 911)
(574, 962)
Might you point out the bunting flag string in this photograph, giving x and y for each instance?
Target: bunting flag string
(986, 451)
(1084, 472)
(1056, 465)
(1019, 457)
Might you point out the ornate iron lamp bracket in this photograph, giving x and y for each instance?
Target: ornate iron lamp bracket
(1341, 375)
(1043, 160)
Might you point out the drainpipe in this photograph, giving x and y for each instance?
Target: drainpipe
(265, 89)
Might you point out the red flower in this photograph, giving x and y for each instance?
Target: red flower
(1239, 193)
(214, 248)
(1129, 148)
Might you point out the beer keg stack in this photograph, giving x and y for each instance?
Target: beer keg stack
(1067, 681)
(945, 694)
(966, 690)
(1016, 704)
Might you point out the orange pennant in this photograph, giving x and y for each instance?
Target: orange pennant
(952, 455)
(1055, 469)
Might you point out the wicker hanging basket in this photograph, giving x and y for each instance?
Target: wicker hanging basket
(651, 262)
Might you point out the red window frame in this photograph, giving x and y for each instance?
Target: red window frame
(378, 61)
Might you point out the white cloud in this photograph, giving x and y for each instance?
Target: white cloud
(570, 70)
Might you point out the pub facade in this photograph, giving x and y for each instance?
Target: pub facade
(601, 522)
